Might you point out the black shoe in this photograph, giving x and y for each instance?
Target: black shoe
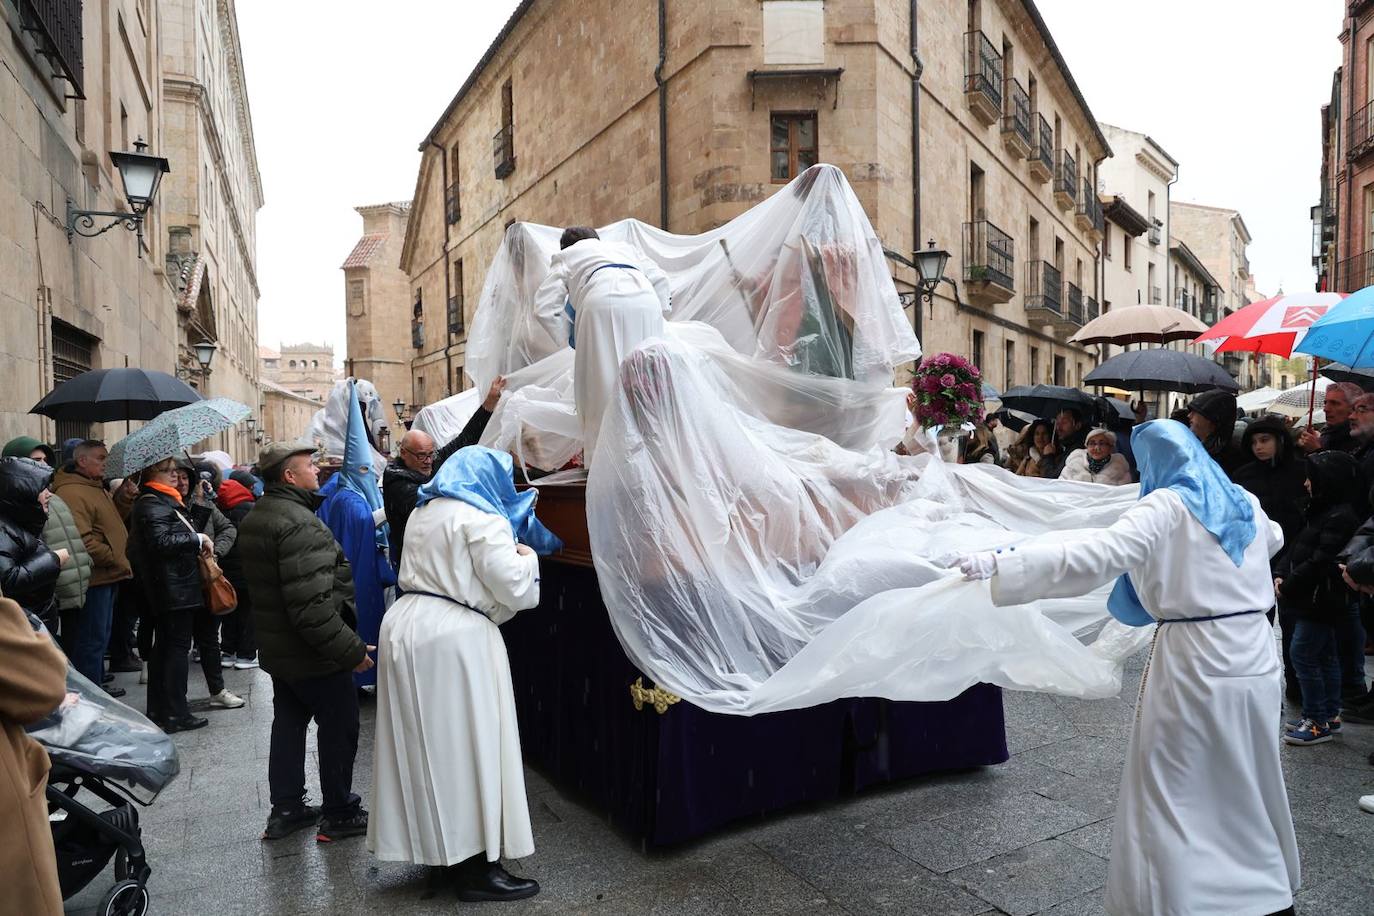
(115, 692)
(1360, 715)
(183, 724)
(128, 666)
(285, 823)
(107, 677)
(488, 881)
(332, 829)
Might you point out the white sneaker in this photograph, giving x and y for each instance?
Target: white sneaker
(1367, 804)
(226, 661)
(243, 664)
(226, 700)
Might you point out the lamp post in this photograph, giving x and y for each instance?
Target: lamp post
(205, 352)
(930, 264)
(399, 406)
(141, 175)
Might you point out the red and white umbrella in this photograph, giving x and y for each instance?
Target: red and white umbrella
(1271, 325)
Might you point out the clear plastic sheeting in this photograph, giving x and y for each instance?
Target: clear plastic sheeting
(760, 548)
(329, 426)
(799, 280)
(93, 733)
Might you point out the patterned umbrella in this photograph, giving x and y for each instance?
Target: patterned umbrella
(1271, 325)
(143, 447)
(203, 419)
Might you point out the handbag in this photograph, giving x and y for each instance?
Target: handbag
(220, 596)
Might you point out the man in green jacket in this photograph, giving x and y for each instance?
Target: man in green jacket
(302, 592)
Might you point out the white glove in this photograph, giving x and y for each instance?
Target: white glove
(978, 566)
(378, 517)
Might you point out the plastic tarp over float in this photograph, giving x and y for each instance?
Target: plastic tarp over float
(759, 546)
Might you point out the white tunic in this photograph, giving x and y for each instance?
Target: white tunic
(448, 781)
(1202, 824)
(616, 310)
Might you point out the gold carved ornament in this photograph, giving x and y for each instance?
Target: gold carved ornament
(656, 697)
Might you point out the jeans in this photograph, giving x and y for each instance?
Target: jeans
(332, 701)
(1287, 622)
(169, 666)
(1319, 669)
(206, 632)
(1350, 646)
(87, 648)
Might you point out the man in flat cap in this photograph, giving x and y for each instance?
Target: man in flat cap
(302, 592)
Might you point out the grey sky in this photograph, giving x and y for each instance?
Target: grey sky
(342, 94)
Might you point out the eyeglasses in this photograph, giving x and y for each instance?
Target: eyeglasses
(1364, 408)
(423, 456)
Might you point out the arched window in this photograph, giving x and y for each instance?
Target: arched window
(292, 364)
(314, 364)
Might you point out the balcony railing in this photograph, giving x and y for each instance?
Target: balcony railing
(983, 77)
(1016, 119)
(1091, 309)
(503, 151)
(989, 255)
(452, 211)
(455, 315)
(1042, 156)
(57, 25)
(417, 333)
(1361, 132)
(1156, 295)
(1354, 273)
(1185, 302)
(1044, 285)
(1156, 233)
(1066, 179)
(1073, 303)
(1090, 208)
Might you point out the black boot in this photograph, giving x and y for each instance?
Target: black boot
(481, 881)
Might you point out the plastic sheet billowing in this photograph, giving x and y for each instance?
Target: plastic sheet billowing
(93, 733)
(329, 426)
(799, 280)
(751, 566)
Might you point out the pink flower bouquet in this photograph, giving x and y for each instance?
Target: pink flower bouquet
(948, 391)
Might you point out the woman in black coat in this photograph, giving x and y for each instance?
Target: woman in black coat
(28, 569)
(164, 550)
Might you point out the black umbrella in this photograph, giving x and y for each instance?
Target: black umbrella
(1340, 372)
(1013, 420)
(102, 395)
(1115, 414)
(1047, 400)
(1161, 370)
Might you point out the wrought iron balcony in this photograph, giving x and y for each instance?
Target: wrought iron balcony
(56, 25)
(1185, 302)
(1016, 120)
(1089, 211)
(1156, 295)
(989, 262)
(452, 210)
(1354, 273)
(455, 314)
(417, 333)
(1066, 181)
(982, 78)
(1073, 304)
(1360, 133)
(1091, 309)
(1156, 233)
(1042, 156)
(1044, 291)
(503, 151)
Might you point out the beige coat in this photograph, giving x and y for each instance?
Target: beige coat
(101, 528)
(32, 684)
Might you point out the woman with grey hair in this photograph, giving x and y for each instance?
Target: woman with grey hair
(1098, 461)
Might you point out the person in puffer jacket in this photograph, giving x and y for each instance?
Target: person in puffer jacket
(237, 641)
(28, 568)
(1309, 585)
(61, 532)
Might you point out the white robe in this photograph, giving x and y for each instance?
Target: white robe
(1202, 823)
(448, 781)
(616, 310)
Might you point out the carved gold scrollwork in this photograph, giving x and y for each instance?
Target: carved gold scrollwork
(656, 697)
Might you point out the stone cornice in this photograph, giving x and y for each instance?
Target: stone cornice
(229, 34)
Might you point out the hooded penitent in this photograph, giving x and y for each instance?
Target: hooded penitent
(481, 477)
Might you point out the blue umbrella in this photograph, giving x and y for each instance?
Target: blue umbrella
(1345, 333)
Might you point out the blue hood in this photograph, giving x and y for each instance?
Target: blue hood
(481, 477)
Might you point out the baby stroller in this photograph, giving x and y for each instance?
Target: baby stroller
(99, 745)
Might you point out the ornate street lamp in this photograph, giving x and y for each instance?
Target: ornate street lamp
(399, 406)
(930, 264)
(140, 174)
(252, 424)
(205, 351)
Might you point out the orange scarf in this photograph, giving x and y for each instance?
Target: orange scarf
(167, 489)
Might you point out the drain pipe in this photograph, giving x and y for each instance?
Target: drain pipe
(662, 115)
(917, 66)
(448, 279)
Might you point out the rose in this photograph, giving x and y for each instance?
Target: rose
(931, 384)
(939, 418)
(967, 390)
(948, 381)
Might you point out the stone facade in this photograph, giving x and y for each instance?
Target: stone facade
(285, 414)
(377, 303)
(211, 199)
(521, 141)
(1140, 173)
(1348, 160)
(303, 369)
(89, 302)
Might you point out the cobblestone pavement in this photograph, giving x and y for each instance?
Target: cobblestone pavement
(1030, 836)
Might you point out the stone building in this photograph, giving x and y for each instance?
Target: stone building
(304, 369)
(72, 304)
(377, 303)
(285, 414)
(211, 199)
(708, 108)
(1218, 238)
(1136, 266)
(1344, 217)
